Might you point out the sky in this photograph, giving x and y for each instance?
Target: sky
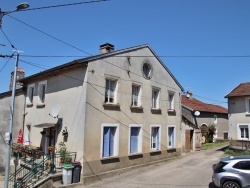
(204, 43)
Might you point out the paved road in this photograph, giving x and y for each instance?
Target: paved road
(191, 171)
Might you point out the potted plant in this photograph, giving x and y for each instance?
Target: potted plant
(68, 158)
(51, 149)
(62, 145)
(62, 155)
(14, 147)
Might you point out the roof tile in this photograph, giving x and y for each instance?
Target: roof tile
(198, 105)
(241, 90)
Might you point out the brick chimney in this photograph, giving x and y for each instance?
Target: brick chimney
(106, 48)
(19, 75)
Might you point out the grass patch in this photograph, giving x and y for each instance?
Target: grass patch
(236, 152)
(208, 146)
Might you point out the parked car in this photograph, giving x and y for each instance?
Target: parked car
(232, 172)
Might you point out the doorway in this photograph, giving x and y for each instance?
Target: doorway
(49, 138)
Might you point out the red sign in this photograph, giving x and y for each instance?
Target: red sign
(20, 137)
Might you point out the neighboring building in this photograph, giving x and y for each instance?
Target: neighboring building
(18, 119)
(120, 109)
(191, 134)
(204, 114)
(239, 115)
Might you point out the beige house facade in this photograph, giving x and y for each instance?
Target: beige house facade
(239, 116)
(197, 114)
(120, 109)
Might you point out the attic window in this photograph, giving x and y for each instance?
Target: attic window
(147, 71)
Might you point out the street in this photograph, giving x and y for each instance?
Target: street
(192, 170)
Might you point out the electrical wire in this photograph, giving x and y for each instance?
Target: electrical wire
(162, 56)
(101, 59)
(7, 62)
(63, 5)
(8, 39)
(49, 35)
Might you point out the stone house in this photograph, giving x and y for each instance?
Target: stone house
(239, 115)
(117, 110)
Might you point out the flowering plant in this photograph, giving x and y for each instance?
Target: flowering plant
(51, 147)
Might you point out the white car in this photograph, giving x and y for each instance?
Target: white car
(232, 172)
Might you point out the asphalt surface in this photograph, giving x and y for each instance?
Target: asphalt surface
(190, 171)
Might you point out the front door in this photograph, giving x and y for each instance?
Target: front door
(187, 141)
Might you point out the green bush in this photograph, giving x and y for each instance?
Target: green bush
(237, 152)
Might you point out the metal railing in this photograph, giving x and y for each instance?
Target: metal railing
(36, 167)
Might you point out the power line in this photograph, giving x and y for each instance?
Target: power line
(8, 39)
(163, 56)
(49, 35)
(101, 59)
(64, 5)
(103, 87)
(6, 62)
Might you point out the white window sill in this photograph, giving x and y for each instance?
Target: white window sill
(134, 154)
(244, 139)
(29, 104)
(109, 158)
(155, 150)
(40, 105)
(169, 148)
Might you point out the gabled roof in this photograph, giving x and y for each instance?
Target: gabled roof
(87, 60)
(241, 90)
(198, 105)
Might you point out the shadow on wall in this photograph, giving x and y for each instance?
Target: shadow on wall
(2, 152)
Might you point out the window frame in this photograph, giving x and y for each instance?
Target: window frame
(139, 103)
(215, 119)
(159, 133)
(139, 144)
(242, 125)
(42, 96)
(116, 140)
(115, 91)
(30, 102)
(171, 105)
(157, 100)
(173, 145)
(248, 105)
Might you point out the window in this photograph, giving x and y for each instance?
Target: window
(243, 132)
(171, 137)
(155, 138)
(215, 119)
(110, 133)
(42, 87)
(147, 71)
(243, 165)
(135, 139)
(30, 94)
(136, 101)
(111, 91)
(248, 105)
(155, 99)
(171, 101)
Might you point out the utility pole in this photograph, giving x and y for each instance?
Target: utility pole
(8, 135)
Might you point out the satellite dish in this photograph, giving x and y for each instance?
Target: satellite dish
(197, 113)
(55, 111)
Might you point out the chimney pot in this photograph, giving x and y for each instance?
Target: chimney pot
(106, 48)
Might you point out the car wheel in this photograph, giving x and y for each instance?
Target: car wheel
(231, 184)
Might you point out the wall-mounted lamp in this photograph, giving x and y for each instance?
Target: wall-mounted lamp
(65, 131)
